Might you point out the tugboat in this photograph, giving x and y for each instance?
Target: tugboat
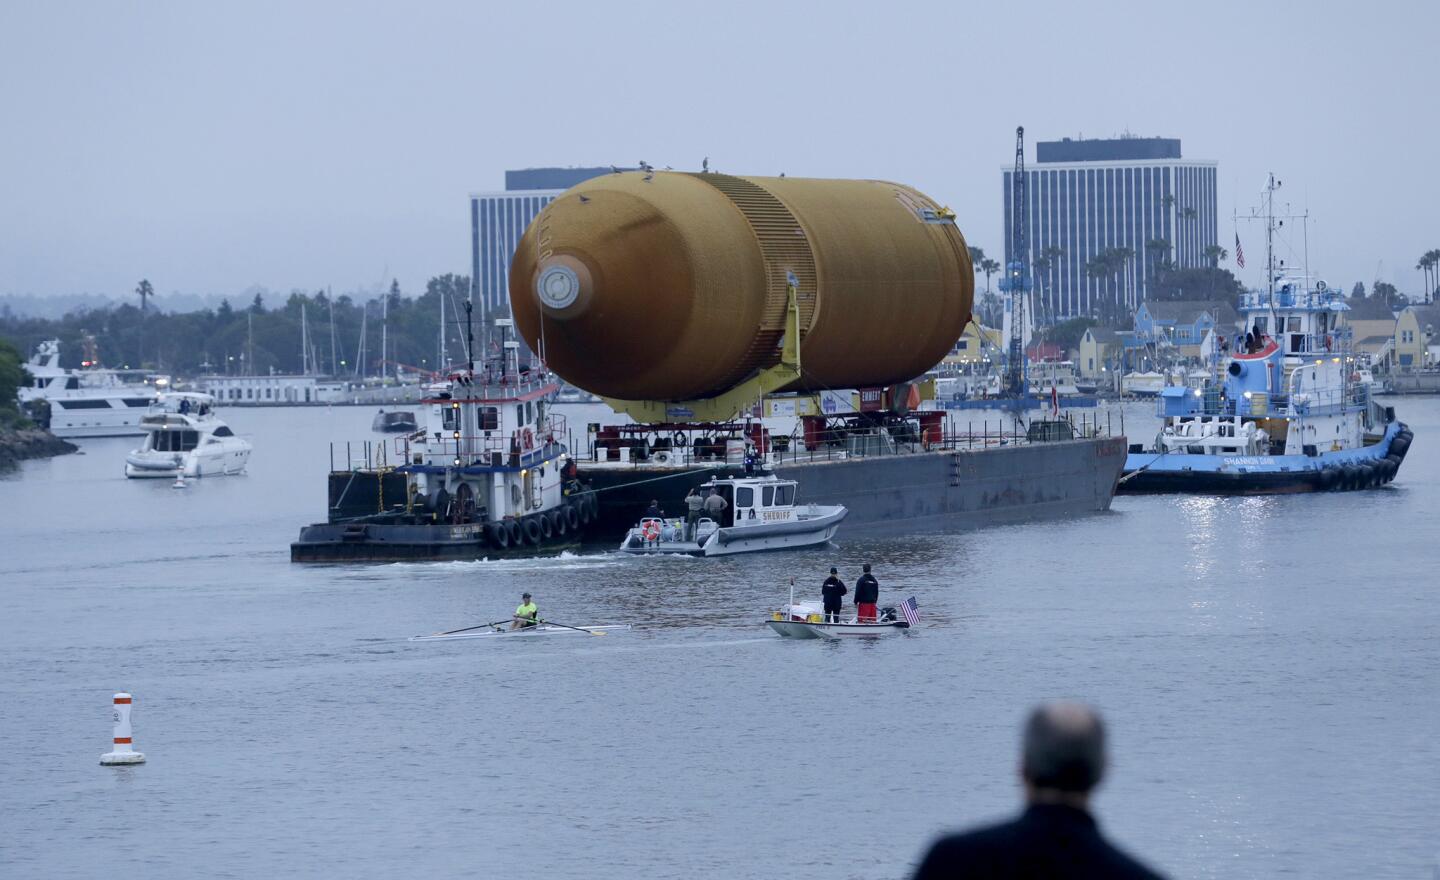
(760, 514)
(494, 479)
(1291, 414)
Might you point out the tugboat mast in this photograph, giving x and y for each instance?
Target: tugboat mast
(1270, 187)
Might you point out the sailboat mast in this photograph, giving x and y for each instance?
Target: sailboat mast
(304, 343)
(384, 331)
(360, 354)
(440, 360)
(334, 367)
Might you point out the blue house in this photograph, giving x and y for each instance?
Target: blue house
(1182, 322)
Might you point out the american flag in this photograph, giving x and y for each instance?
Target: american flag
(1239, 252)
(1054, 400)
(911, 612)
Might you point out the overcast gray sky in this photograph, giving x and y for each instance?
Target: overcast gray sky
(210, 148)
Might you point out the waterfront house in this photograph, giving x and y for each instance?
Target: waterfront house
(1369, 316)
(975, 345)
(1100, 348)
(1184, 323)
(1415, 338)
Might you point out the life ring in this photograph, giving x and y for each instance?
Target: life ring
(517, 534)
(533, 534)
(572, 519)
(529, 439)
(497, 535)
(650, 530)
(679, 440)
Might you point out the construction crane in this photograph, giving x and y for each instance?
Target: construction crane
(1016, 283)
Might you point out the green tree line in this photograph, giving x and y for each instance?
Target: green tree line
(259, 337)
(11, 376)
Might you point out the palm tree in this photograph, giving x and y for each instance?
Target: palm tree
(1125, 258)
(1158, 250)
(1052, 256)
(989, 267)
(1430, 265)
(1042, 268)
(144, 291)
(1215, 254)
(1106, 266)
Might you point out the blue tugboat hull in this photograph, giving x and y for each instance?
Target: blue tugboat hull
(1175, 473)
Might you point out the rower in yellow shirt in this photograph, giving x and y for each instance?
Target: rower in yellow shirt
(526, 615)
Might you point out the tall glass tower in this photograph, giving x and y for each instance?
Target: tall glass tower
(1132, 198)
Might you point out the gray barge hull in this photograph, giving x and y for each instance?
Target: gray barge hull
(966, 489)
(961, 488)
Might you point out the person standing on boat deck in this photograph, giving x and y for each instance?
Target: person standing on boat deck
(715, 507)
(527, 615)
(693, 505)
(833, 592)
(654, 509)
(867, 593)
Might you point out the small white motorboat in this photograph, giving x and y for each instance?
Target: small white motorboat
(760, 514)
(806, 620)
(544, 629)
(184, 438)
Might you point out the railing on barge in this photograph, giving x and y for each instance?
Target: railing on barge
(787, 449)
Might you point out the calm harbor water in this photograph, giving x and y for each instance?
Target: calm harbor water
(1268, 666)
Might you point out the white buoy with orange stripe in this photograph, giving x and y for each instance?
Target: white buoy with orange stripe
(124, 752)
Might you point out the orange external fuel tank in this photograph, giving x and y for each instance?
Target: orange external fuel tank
(671, 286)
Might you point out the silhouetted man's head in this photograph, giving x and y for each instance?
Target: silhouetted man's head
(1064, 754)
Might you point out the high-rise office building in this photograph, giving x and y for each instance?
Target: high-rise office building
(1133, 199)
(498, 219)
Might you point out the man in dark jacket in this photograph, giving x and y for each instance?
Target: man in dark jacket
(833, 591)
(1056, 837)
(867, 593)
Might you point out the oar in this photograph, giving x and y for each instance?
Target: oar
(593, 632)
(478, 626)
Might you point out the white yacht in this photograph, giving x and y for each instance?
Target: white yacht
(184, 437)
(1060, 375)
(92, 402)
